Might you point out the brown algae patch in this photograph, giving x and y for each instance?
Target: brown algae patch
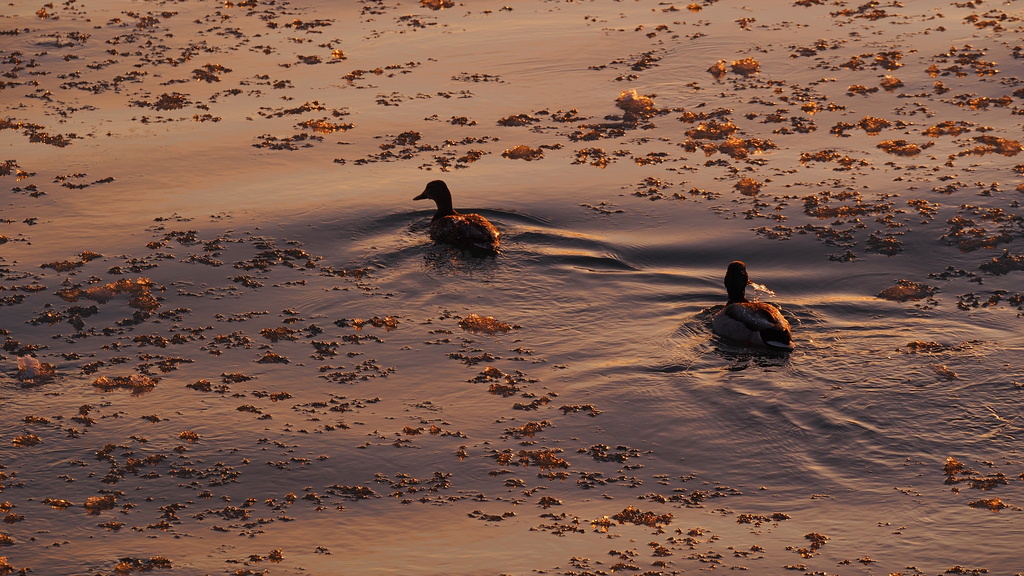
(136, 383)
(907, 290)
(139, 292)
(748, 186)
(1003, 264)
(26, 440)
(485, 324)
(523, 152)
(636, 106)
(31, 371)
(633, 515)
(903, 147)
(746, 66)
(958, 473)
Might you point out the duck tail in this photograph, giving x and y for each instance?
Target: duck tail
(776, 338)
(485, 249)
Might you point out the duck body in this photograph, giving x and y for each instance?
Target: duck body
(467, 231)
(753, 323)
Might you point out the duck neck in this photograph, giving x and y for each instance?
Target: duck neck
(737, 294)
(444, 208)
(736, 282)
(736, 286)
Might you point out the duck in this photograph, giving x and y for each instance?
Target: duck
(468, 231)
(753, 323)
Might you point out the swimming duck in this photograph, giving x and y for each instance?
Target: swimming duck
(470, 231)
(750, 322)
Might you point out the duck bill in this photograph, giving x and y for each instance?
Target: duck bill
(422, 196)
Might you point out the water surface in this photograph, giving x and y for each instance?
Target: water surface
(309, 392)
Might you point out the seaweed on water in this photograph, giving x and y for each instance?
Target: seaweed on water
(523, 152)
(905, 290)
(135, 383)
(485, 324)
(633, 515)
(32, 371)
(139, 292)
(1004, 264)
(636, 106)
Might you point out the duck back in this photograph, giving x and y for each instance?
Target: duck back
(753, 323)
(466, 231)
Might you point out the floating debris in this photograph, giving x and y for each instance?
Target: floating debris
(746, 66)
(272, 358)
(1004, 264)
(891, 83)
(485, 324)
(945, 372)
(718, 70)
(135, 383)
(210, 72)
(130, 564)
(140, 292)
(436, 4)
(97, 504)
(523, 152)
(518, 120)
(993, 504)
(25, 440)
(758, 519)
(633, 515)
(748, 186)
(902, 147)
(906, 290)
(636, 106)
(32, 371)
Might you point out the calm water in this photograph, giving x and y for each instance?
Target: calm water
(305, 393)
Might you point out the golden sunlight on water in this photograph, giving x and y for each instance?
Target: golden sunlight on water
(230, 346)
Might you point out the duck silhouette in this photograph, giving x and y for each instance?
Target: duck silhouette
(755, 323)
(468, 231)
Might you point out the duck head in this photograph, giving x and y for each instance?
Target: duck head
(736, 281)
(438, 191)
